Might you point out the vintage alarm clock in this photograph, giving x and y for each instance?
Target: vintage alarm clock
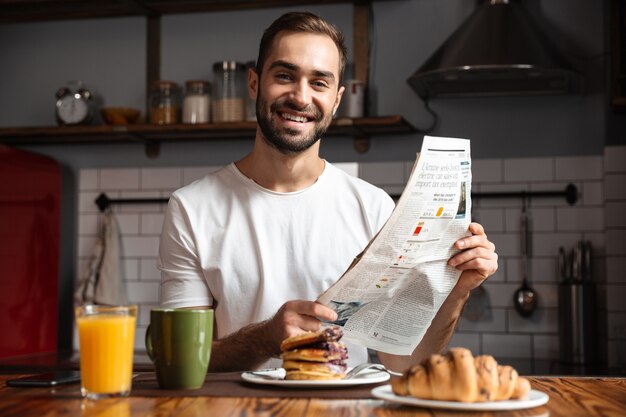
(75, 104)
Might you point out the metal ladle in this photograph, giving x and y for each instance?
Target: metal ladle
(525, 298)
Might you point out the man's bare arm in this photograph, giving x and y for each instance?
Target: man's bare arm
(252, 345)
(243, 350)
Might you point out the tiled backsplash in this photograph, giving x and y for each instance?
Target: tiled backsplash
(531, 344)
(615, 212)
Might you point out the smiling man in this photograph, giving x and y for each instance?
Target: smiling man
(260, 238)
(304, 96)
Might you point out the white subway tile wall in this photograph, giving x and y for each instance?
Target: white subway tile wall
(593, 193)
(119, 179)
(615, 159)
(532, 344)
(615, 186)
(140, 227)
(160, 178)
(528, 169)
(579, 168)
(615, 235)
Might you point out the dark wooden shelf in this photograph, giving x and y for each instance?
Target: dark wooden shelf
(14, 11)
(17, 11)
(359, 128)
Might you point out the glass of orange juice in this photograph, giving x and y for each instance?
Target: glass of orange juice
(106, 340)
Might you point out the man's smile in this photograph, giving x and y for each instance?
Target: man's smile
(295, 117)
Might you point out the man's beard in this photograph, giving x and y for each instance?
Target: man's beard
(289, 141)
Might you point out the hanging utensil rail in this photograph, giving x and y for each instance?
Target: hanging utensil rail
(570, 193)
(103, 201)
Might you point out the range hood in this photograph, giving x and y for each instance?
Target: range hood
(497, 51)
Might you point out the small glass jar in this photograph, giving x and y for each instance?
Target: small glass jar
(229, 103)
(197, 102)
(250, 102)
(165, 99)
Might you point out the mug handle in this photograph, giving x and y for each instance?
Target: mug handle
(148, 342)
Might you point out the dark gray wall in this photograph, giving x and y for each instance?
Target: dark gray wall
(109, 55)
(616, 118)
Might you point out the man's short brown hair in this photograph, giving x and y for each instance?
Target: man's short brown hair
(301, 22)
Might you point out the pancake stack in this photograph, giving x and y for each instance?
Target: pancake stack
(315, 355)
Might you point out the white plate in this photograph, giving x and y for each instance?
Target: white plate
(535, 399)
(276, 377)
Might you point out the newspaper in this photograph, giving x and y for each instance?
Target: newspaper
(390, 294)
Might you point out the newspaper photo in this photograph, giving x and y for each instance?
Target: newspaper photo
(392, 291)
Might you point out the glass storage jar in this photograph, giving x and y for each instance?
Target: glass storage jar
(197, 102)
(250, 102)
(229, 84)
(165, 98)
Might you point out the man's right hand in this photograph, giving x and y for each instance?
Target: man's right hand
(293, 318)
(249, 347)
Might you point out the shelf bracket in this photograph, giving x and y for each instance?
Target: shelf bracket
(153, 149)
(153, 54)
(361, 144)
(361, 16)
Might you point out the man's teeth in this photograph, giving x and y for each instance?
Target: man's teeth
(295, 118)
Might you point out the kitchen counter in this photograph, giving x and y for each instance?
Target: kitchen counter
(56, 361)
(569, 396)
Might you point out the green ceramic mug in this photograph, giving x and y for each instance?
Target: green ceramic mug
(178, 342)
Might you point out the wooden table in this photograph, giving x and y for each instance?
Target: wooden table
(569, 397)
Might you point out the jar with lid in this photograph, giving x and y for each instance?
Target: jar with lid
(250, 102)
(165, 99)
(229, 84)
(196, 103)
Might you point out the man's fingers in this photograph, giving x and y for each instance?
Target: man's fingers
(478, 238)
(476, 229)
(324, 313)
(312, 309)
(475, 253)
(477, 259)
(321, 312)
(300, 315)
(474, 241)
(484, 267)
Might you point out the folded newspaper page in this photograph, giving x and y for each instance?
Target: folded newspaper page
(392, 291)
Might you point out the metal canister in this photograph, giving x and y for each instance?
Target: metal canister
(578, 323)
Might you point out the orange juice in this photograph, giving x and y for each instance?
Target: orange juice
(106, 353)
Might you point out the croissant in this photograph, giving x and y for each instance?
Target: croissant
(459, 376)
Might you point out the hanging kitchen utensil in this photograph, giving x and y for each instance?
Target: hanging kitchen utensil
(563, 273)
(569, 255)
(525, 298)
(576, 258)
(586, 261)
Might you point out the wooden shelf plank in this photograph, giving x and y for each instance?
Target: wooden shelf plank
(13, 11)
(359, 127)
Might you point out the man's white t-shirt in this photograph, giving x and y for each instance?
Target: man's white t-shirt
(245, 250)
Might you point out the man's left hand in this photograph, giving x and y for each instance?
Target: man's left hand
(478, 258)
